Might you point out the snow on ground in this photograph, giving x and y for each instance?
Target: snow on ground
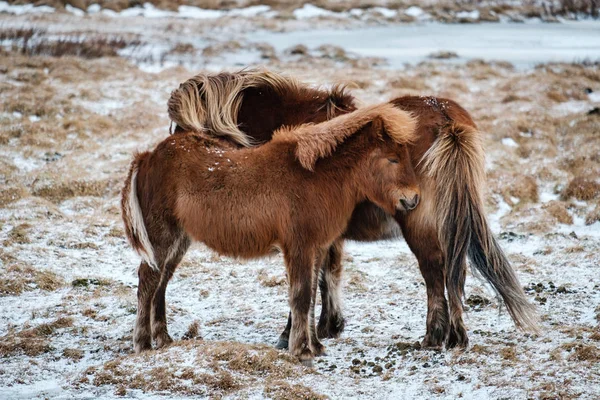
(67, 296)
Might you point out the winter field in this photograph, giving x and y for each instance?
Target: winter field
(82, 91)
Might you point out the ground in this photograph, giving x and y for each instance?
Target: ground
(69, 126)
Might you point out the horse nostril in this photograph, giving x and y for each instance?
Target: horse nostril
(410, 204)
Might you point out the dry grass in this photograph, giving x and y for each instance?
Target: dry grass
(586, 353)
(522, 187)
(193, 331)
(32, 341)
(582, 189)
(443, 55)
(284, 391)
(271, 281)
(231, 367)
(33, 42)
(56, 191)
(18, 235)
(19, 278)
(558, 210)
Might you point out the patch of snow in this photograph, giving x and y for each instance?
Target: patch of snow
(199, 13)
(251, 11)
(26, 164)
(75, 11)
(572, 107)
(468, 14)
(356, 12)
(94, 8)
(509, 142)
(24, 9)
(148, 11)
(594, 96)
(546, 196)
(414, 11)
(310, 11)
(386, 12)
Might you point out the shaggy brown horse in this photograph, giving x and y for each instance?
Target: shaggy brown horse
(296, 192)
(246, 107)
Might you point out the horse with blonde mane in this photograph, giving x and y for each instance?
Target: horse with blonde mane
(246, 107)
(297, 193)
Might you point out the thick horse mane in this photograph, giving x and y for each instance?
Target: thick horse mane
(211, 102)
(320, 141)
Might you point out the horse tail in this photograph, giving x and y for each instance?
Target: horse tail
(455, 162)
(133, 218)
(209, 103)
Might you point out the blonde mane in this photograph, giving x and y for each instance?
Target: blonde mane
(211, 102)
(321, 140)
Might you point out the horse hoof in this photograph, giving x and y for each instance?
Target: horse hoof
(140, 347)
(282, 344)
(307, 363)
(163, 341)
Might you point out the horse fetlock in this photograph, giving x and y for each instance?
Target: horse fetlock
(162, 340)
(436, 335)
(141, 343)
(331, 328)
(317, 348)
(457, 337)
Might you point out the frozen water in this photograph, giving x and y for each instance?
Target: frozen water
(524, 45)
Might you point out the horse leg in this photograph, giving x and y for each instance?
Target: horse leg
(458, 332)
(159, 318)
(148, 280)
(284, 338)
(424, 244)
(300, 265)
(316, 345)
(331, 321)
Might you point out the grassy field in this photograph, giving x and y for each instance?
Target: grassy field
(73, 114)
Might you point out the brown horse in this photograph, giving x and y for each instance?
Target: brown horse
(296, 192)
(246, 107)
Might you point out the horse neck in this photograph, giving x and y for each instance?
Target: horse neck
(345, 167)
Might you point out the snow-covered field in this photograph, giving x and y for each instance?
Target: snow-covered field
(69, 125)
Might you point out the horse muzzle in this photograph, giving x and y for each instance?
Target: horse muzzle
(409, 204)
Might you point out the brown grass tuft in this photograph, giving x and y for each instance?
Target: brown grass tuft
(509, 353)
(582, 189)
(270, 281)
(59, 191)
(593, 216)
(284, 391)
(18, 235)
(586, 353)
(558, 210)
(522, 187)
(33, 341)
(193, 331)
(19, 278)
(73, 354)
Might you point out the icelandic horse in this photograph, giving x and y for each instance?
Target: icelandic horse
(246, 107)
(296, 192)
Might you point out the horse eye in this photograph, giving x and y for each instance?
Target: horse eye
(393, 160)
